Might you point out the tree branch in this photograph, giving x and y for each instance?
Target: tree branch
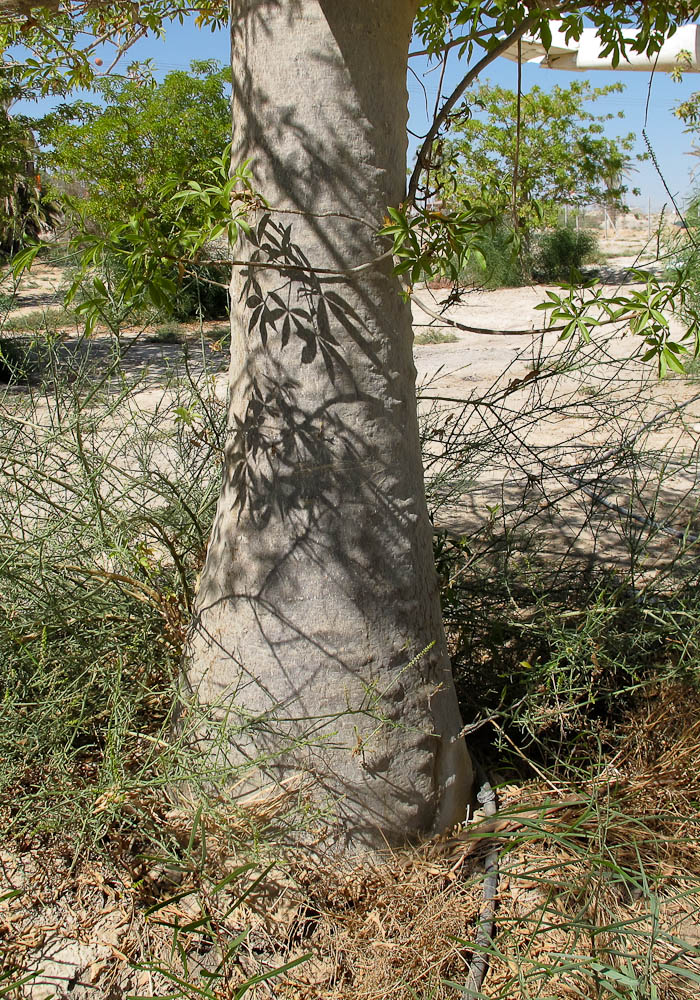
(460, 40)
(459, 90)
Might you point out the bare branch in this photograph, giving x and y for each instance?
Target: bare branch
(459, 90)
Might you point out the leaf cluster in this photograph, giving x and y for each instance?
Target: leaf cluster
(477, 24)
(645, 310)
(428, 243)
(152, 259)
(53, 53)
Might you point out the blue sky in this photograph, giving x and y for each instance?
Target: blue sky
(671, 145)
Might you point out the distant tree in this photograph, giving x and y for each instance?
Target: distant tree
(689, 113)
(552, 153)
(146, 133)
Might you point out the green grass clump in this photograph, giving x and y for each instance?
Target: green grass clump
(434, 335)
(20, 359)
(167, 333)
(41, 321)
(692, 369)
(558, 662)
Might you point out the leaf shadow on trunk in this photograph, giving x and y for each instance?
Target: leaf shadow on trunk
(318, 628)
(317, 492)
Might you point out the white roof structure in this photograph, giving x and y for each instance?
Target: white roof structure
(681, 51)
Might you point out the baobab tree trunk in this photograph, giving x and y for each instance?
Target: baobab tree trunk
(318, 622)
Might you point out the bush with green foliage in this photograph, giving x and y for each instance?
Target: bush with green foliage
(560, 253)
(12, 359)
(504, 262)
(118, 155)
(112, 163)
(508, 262)
(683, 256)
(203, 294)
(22, 358)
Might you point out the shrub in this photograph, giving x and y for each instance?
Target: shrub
(434, 335)
(203, 295)
(560, 254)
(506, 264)
(105, 510)
(682, 251)
(166, 333)
(19, 359)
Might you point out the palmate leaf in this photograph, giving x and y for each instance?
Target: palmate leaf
(429, 243)
(577, 311)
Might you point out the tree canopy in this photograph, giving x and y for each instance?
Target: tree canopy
(62, 58)
(144, 136)
(536, 152)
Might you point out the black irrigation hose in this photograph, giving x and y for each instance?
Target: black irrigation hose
(486, 797)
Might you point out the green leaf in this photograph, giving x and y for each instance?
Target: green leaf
(545, 34)
(169, 901)
(23, 259)
(232, 876)
(673, 362)
(272, 974)
(100, 286)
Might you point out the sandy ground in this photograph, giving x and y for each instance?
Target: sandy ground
(546, 417)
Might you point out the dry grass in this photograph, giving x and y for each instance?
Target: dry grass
(598, 891)
(598, 896)
(391, 929)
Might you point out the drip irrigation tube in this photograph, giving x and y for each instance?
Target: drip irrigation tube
(486, 797)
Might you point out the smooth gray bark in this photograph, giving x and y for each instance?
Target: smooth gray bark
(319, 596)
